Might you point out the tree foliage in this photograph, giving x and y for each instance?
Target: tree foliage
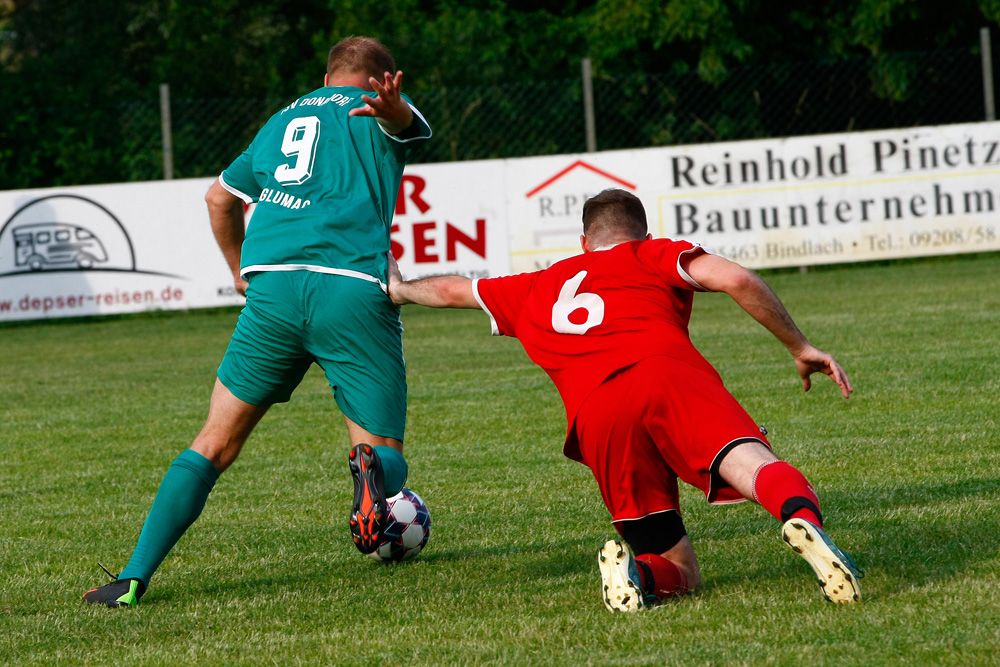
(67, 65)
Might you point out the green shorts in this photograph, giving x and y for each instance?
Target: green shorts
(348, 326)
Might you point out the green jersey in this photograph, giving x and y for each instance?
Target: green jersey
(325, 185)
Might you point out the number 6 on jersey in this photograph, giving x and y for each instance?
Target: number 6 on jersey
(569, 301)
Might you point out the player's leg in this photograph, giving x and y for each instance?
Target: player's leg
(389, 452)
(640, 491)
(673, 572)
(752, 469)
(262, 366)
(631, 582)
(182, 494)
(229, 424)
(379, 472)
(665, 558)
(185, 488)
(356, 336)
(710, 442)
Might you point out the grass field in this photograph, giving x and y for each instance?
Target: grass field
(908, 470)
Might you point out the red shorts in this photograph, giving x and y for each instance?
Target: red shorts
(656, 421)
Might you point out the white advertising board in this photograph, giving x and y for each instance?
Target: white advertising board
(452, 218)
(769, 203)
(780, 202)
(106, 249)
(546, 196)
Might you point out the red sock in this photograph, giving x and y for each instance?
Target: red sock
(661, 577)
(785, 493)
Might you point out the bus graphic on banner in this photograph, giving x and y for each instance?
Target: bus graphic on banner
(54, 245)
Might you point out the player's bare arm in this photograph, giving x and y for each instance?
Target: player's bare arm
(435, 291)
(754, 296)
(225, 212)
(390, 109)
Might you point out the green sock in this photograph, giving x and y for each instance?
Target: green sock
(394, 469)
(178, 502)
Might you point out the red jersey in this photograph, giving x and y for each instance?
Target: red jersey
(588, 316)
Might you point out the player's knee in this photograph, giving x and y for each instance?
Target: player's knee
(218, 448)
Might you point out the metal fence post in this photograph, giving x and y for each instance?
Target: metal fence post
(588, 105)
(166, 132)
(984, 42)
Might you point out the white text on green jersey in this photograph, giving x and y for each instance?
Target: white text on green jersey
(273, 196)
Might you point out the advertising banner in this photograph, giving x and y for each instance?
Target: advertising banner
(452, 218)
(780, 202)
(546, 196)
(125, 248)
(106, 249)
(769, 203)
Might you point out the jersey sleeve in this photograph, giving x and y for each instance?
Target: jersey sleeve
(403, 144)
(503, 299)
(666, 254)
(238, 178)
(418, 129)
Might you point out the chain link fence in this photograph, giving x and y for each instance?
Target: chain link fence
(631, 111)
(206, 134)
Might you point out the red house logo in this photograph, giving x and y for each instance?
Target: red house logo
(582, 165)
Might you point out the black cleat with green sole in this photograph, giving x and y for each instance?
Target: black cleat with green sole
(119, 593)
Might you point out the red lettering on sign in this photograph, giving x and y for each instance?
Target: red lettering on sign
(396, 248)
(421, 243)
(454, 236)
(417, 186)
(426, 236)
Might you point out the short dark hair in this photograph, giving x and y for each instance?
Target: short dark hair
(360, 55)
(614, 210)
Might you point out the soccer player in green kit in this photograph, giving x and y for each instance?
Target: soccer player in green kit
(324, 172)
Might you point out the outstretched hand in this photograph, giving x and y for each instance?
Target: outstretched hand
(389, 108)
(811, 360)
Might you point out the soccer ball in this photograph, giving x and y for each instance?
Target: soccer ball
(407, 530)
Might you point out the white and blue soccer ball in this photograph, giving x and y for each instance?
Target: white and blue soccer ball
(407, 530)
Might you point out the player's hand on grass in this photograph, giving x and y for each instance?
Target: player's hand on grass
(811, 360)
(390, 109)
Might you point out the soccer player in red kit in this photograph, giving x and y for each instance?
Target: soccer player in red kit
(643, 406)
